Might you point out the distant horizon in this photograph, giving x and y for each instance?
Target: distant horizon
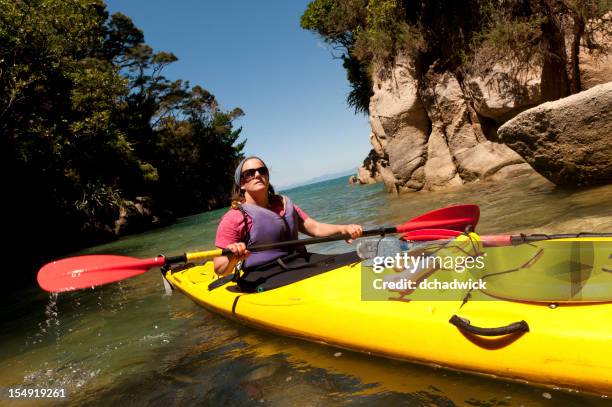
(316, 180)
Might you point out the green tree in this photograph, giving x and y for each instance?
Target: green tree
(88, 122)
(200, 137)
(444, 35)
(550, 33)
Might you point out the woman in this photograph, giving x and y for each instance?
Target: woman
(259, 216)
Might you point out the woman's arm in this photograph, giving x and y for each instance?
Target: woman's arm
(318, 229)
(229, 236)
(224, 264)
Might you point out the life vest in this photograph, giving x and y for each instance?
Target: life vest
(269, 227)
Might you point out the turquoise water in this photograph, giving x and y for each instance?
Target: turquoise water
(130, 344)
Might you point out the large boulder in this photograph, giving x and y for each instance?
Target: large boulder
(569, 140)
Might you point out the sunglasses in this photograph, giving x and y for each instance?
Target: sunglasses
(250, 174)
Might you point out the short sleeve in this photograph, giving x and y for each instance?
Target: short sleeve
(300, 212)
(231, 229)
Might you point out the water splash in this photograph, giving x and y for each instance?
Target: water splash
(51, 325)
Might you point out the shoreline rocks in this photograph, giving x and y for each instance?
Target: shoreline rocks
(427, 135)
(137, 216)
(439, 130)
(568, 141)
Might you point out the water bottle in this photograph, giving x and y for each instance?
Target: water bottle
(386, 246)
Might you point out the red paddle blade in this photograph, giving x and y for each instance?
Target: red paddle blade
(75, 273)
(430, 234)
(456, 217)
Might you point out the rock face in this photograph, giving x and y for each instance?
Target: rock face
(569, 140)
(399, 128)
(435, 130)
(498, 93)
(427, 135)
(595, 70)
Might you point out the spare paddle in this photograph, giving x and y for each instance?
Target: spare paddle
(430, 234)
(447, 234)
(495, 240)
(88, 271)
(515, 240)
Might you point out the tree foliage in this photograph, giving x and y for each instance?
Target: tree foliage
(445, 35)
(88, 121)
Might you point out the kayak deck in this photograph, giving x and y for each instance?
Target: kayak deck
(567, 345)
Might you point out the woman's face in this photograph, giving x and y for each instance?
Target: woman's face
(254, 181)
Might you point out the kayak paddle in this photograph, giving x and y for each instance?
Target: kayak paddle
(93, 270)
(494, 240)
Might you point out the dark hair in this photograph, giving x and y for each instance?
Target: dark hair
(238, 195)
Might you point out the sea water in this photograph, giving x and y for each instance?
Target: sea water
(130, 344)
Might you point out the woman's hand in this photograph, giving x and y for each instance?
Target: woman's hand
(224, 265)
(317, 229)
(238, 250)
(354, 231)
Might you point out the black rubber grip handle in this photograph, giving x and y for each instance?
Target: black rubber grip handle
(465, 325)
(181, 258)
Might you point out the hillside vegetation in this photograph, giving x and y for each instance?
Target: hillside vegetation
(89, 122)
(444, 36)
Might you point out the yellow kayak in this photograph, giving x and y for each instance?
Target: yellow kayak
(565, 343)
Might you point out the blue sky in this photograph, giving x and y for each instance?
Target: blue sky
(254, 55)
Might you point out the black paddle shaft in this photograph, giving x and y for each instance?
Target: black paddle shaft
(389, 230)
(301, 242)
(293, 243)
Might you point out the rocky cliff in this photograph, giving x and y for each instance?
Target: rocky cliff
(440, 130)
